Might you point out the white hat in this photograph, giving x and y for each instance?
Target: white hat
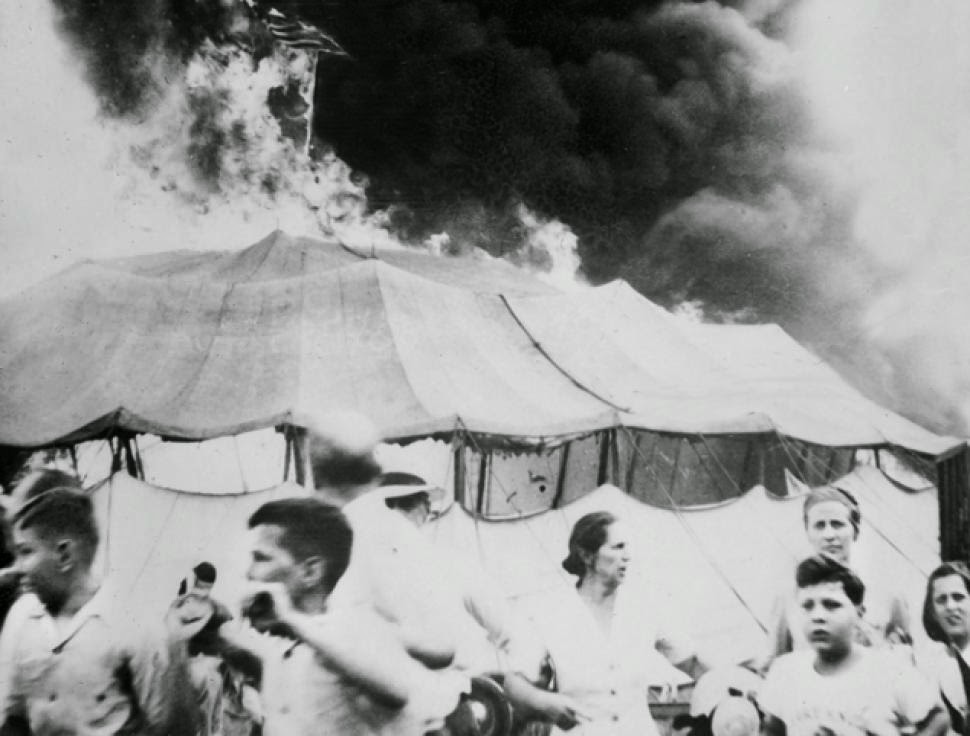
(401, 485)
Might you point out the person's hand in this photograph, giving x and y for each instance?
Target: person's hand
(563, 711)
(268, 608)
(187, 615)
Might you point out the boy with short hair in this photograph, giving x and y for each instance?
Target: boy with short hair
(838, 688)
(339, 671)
(78, 663)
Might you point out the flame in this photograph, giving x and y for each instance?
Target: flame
(205, 166)
(550, 251)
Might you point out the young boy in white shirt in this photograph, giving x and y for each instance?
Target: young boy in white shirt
(326, 670)
(838, 688)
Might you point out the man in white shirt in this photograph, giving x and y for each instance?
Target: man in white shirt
(838, 688)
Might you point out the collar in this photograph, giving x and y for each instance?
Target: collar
(99, 606)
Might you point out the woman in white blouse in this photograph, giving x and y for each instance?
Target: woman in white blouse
(601, 642)
(946, 618)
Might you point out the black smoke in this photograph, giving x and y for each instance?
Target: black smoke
(609, 116)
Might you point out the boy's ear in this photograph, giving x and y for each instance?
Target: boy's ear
(313, 570)
(66, 550)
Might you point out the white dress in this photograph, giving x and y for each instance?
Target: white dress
(606, 673)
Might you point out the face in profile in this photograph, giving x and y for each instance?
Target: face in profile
(951, 607)
(41, 563)
(829, 617)
(612, 559)
(270, 562)
(829, 529)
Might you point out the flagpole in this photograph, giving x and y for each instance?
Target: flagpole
(314, 57)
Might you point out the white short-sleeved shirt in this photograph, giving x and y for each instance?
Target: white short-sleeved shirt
(879, 694)
(607, 673)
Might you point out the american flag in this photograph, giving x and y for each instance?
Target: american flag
(295, 33)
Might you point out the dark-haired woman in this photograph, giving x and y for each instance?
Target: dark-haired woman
(601, 643)
(946, 618)
(832, 520)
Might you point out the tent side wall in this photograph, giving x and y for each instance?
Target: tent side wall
(660, 469)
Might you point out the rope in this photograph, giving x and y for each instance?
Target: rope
(158, 537)
(781, 542)
(545, 354)
(678, 513)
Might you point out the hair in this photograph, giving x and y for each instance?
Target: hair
(341, 448)
(933, 629)
(42, 480)
(311, 528)
(336, 467)
(820, 569)
(588, 535)
(205, 572)
(838, 495)
(61, 512)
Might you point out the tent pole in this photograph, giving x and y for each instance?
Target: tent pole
(561, 480)
(482, 478)
(459, 468)
(287, 449)
(304, 440)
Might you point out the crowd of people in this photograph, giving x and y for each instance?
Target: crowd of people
(350, 626)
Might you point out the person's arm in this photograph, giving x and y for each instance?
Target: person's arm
(370, 656)
(362, 648)
(680, 651)
(898, 629)
(161, 678)
(535, 702)
(434, 650)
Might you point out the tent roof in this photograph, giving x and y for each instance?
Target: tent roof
(198, 345)
(671, 375)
